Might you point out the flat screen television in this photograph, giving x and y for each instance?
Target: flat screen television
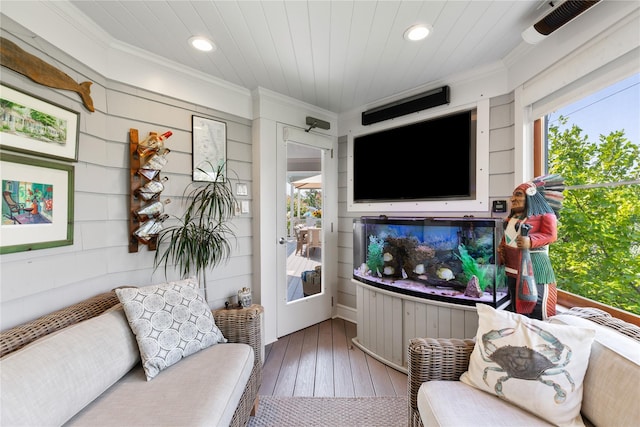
(432, 160)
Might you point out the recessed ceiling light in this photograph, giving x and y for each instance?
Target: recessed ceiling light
(417, 32)
(202, 43)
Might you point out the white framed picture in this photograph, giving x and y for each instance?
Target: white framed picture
(209, 149)
(32, 125)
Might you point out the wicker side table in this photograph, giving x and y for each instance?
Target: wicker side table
(243, 325)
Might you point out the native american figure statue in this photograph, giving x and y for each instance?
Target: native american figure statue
(535, 204)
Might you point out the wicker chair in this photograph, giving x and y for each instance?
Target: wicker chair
(432, 359)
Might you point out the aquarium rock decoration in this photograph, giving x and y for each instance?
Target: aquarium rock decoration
(396, 256)
(422, 254)
(406, 257)
(473, 288)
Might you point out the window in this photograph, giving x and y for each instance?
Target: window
(595, 144)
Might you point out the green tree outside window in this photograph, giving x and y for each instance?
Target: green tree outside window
(597, 254)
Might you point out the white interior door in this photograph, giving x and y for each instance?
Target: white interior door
(307, 211)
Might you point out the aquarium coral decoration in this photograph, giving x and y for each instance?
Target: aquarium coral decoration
(375, 250)
(470, 268)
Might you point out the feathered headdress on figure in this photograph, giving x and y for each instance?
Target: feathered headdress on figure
(544, 194)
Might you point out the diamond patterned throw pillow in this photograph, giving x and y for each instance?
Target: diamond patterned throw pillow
(535, 365)
(170, 321)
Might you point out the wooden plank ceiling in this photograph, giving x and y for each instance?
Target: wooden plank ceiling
(337, 55)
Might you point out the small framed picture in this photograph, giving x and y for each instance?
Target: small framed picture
(37, 204)
(32, 125)
(209, 149)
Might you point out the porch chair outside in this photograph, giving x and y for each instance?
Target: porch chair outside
(301, 239)
(314, 239)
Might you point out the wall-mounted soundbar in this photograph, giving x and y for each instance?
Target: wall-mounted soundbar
(422, 101)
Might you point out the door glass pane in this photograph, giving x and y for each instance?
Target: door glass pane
(304, 221)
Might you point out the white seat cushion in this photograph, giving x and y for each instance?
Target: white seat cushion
(203, 389)
(454, 404)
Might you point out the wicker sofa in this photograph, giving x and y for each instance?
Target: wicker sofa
(610, 384)
(81, 384)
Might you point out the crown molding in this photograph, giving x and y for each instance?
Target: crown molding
(63, 26)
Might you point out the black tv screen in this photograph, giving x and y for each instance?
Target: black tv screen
(429, 160)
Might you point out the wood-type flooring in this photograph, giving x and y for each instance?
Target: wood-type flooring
(322, 361)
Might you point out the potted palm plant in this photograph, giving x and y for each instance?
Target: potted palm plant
(201, 238)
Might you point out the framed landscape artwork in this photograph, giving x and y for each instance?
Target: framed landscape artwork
(37, 204)
(31, 125)
(209, 149)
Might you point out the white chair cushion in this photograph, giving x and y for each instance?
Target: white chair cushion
(455, 404)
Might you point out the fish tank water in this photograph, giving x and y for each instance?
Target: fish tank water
(445, 259)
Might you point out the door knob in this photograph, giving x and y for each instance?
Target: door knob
(282, 241)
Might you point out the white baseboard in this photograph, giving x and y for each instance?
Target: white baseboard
(349, 314)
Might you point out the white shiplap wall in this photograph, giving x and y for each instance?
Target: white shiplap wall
(37, 282)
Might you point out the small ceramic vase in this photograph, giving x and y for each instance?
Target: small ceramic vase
(244, 297)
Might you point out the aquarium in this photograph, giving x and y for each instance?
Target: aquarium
(446, 259)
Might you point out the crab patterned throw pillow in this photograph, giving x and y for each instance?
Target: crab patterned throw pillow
(170, 321)
(535, 365)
